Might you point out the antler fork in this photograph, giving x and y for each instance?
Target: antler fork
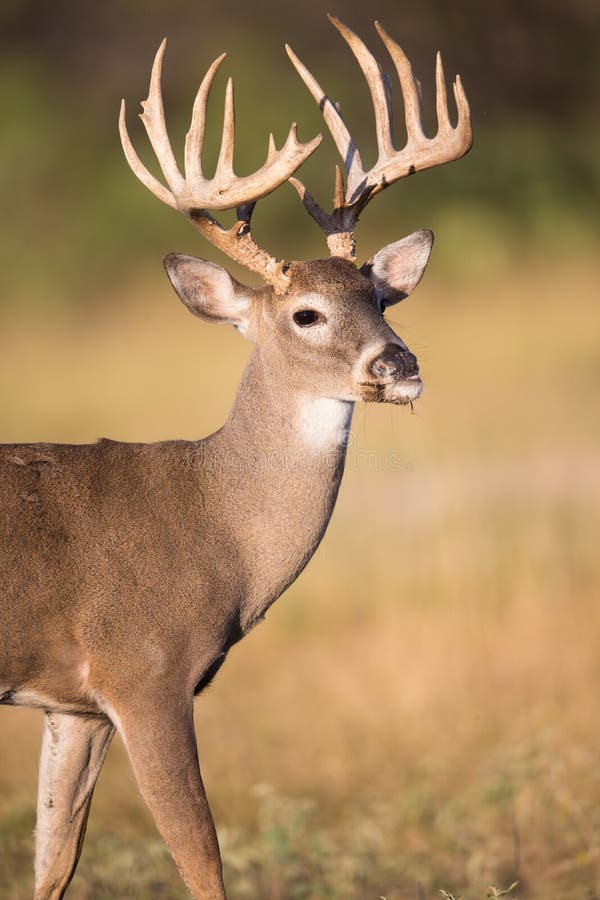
(194, 195)
(420, 152)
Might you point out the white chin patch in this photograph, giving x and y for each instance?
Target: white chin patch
(404, 391)
(324, 423)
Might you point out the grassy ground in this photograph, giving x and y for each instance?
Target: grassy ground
(420, 712)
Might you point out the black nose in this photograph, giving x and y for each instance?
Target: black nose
(394, 362)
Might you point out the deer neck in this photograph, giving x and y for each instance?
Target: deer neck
(272, 416)
(280, 459)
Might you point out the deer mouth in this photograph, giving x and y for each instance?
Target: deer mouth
(404, 391)
(401, 391)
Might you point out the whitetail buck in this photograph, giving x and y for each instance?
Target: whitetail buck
(129, 570)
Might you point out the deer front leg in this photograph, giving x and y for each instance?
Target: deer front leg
(160, 740)
(73, 750)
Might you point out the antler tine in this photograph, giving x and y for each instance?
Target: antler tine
(137, 166)
(463, 127)
(419, 152)
(408, 86)
(379, 95)
(194, 139)
(441, 96)
(153, 117)
(225, 161)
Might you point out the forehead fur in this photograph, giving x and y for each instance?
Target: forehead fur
(328, 276)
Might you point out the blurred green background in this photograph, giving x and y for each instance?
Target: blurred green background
(420, 711)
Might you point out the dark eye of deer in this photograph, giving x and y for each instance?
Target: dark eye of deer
(307, 317)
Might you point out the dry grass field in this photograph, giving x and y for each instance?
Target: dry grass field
(420, 711)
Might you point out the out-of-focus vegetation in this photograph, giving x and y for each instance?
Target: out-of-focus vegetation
(420, 711)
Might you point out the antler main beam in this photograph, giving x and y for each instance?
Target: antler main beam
(419, 152)
(193, 194)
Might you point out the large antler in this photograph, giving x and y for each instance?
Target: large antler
(420, 152)
(194, 194)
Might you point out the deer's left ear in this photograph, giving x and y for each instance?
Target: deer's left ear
(396, 269)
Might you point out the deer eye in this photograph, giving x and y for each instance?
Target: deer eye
(307, 317)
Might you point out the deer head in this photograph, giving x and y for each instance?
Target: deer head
(319, 323)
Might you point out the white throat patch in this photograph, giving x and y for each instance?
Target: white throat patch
(324, 423)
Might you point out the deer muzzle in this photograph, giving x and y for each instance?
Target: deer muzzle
(394, 376)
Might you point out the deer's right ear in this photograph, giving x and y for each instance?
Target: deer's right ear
(208, 290)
